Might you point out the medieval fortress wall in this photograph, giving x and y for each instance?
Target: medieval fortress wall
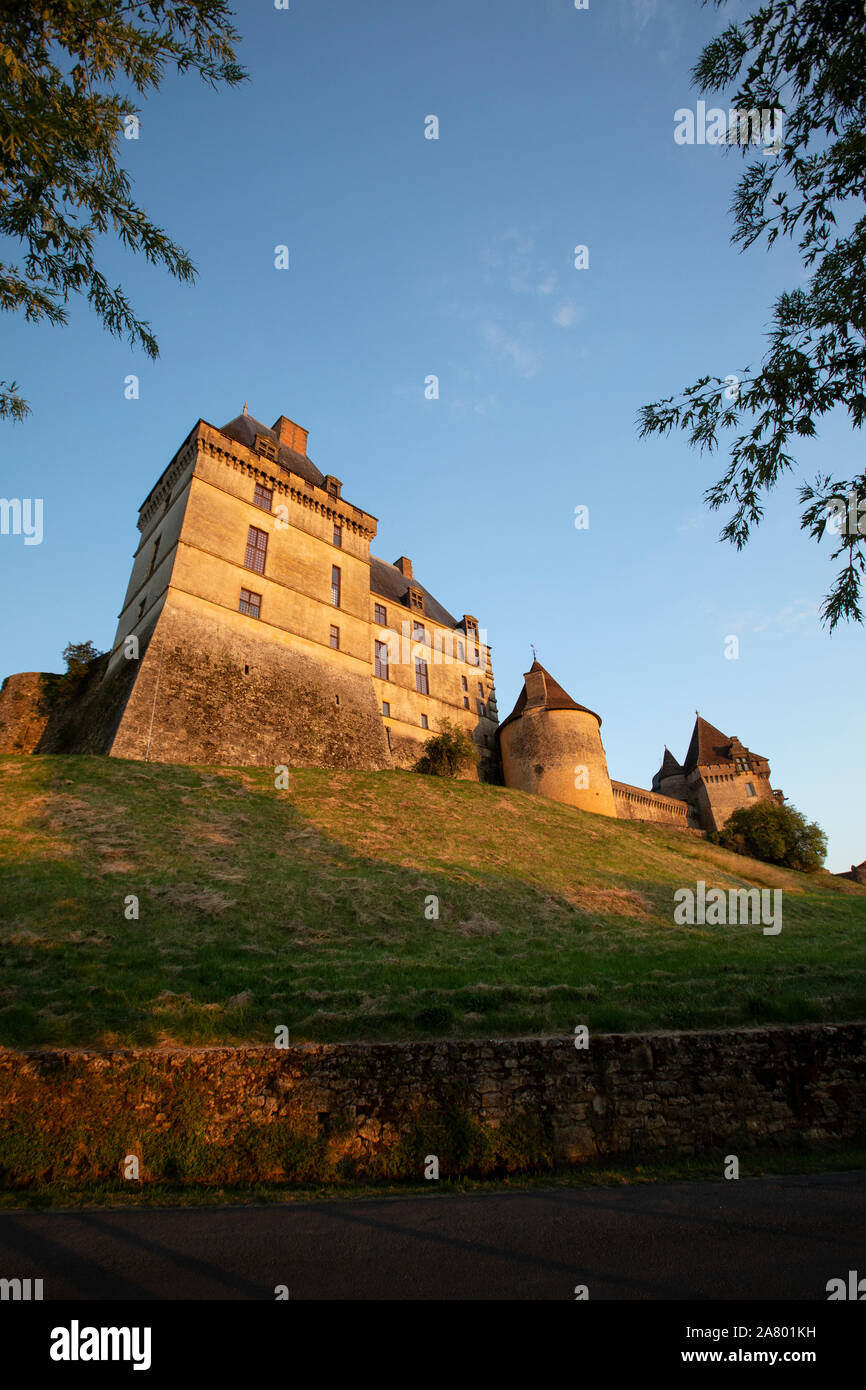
(634, 803)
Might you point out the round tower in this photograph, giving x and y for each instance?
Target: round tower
(552, 746)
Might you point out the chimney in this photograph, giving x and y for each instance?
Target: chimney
(291, 434)
(404, 565)
(536, 690)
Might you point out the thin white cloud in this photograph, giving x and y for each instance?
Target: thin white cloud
(567, 314)
(784, 620)
(507, 347)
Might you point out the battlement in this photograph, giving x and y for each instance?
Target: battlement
(636, 803)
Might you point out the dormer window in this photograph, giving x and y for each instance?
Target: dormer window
(416, 600)
(266, 447)
(333, 485)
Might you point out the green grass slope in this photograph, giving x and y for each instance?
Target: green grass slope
(306, 908)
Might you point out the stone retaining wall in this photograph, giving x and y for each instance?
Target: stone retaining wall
(324, 1111)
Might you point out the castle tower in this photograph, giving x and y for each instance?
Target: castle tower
(670, 780)
(259, 628)
(552, 746)
(719, 775)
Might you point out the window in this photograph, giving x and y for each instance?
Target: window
(257, 549)
(463, 683)
(263, 497)
(480, 689)
(380, 615)
(250, 603)
(380, 664)
(424, 723)
(461, 654)
(268, 448)
(416, 599)
(465, 701)
(386, 709)
(418, 633)
(480, 705)
(422, 684)
(335, 638)
(388, 736)
(338, 534)
(335, 586)
(153, 555)
(750, 789)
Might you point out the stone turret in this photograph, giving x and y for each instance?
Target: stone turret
(552, 746)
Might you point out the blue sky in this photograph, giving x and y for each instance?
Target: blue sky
(454, 257)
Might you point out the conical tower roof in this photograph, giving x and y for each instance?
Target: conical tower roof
(670, 767)
(546, 693)
(708, 746)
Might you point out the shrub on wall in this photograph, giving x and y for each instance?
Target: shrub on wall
(80, 658)
(448, 752)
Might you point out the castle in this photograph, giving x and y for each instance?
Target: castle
(258, 628)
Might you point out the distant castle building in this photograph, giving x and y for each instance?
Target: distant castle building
(718, 776)
(258, 628)
(552, 745)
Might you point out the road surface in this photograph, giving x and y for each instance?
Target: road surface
(758, 1238)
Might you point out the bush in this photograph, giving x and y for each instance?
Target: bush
(80, 658)
(448, 752)
(777, 834)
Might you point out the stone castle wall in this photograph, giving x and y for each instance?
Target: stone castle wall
(553, 752)
(635, 803)
(22, 722)
(261, 1113)
(212, 689)
(719, 792)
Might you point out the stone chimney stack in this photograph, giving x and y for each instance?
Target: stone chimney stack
(291, 434)
(404, 565)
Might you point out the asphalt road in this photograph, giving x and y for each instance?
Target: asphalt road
(759, 1238)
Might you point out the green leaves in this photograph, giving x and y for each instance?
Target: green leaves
(777, 834)
(809, 58)
(61, 185)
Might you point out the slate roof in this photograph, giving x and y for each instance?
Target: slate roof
(244, 429)
(554, 697)
(389, 582)
(670, 767)
(709, 745)
(385, 580)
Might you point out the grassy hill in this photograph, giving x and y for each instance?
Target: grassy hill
(307, 908)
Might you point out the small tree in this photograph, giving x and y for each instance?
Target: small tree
(777, 834)
(79, 658)
(448, 752)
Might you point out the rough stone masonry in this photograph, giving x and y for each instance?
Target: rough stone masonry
(665, 1092)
